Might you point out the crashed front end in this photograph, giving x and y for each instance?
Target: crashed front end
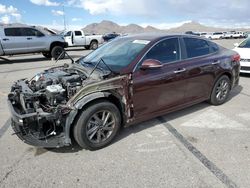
(44, 108)
(39, 107)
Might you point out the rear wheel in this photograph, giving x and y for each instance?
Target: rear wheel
(220, 91)
(57, 51)
(97, 125)
(93, 45)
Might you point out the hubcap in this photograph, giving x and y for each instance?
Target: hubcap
(222, 90)
(94, 46)
(100, 126)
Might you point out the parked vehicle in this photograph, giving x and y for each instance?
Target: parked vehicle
(192, 33)
(20, 40)
(110, 36)
(216, 35)
(244, 50)
(206, 35)
(78, 38)
(126, 81)
(234, 34)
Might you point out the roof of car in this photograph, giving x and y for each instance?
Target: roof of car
(155, 36)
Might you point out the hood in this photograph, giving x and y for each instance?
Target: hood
(243, 52)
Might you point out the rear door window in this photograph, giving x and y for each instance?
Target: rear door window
(78, 33)
(196, 47)
(165, 51)
(13, 32)
(31, 32)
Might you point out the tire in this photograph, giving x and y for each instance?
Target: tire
(47, 55)
(222, 86)
(93, 45)
(91, 120)
(56, 52)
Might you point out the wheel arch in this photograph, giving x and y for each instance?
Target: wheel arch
(94, 40)
(228, 74)
(56, 43)
(87, 101)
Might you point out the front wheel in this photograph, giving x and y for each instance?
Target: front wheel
(57, 51)
(220, 91)
(97, 125)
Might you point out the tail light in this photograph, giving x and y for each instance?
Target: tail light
(236, 58)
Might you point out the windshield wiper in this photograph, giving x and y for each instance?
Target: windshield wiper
(96, 65)
(101, 59)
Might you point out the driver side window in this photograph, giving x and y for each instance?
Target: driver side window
(165, 51)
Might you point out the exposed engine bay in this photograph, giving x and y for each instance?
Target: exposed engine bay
(42, 103)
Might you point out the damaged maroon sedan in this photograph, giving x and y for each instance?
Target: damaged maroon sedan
(126, 81)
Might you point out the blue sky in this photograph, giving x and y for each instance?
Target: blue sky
(159, 13)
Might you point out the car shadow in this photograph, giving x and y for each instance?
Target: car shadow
(246, 75)
(127, 131)
(75, 49)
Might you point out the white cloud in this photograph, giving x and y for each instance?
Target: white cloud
(5, 19)
(102, 6)
(57, 12)
(10, 14)
(45, 2)
(76, 19)
(7, 10)
(234, 11)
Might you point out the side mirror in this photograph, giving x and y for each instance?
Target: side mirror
(151, 64)
(236, 44)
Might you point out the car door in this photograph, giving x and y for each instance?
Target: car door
(34, 39)
(79, 39)
(14, 42)
(158, 90)
(201, 64)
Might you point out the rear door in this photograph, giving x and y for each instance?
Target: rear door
(201, 63)
(157, 90)
(78, 38)
(35, 39)
(14, 42)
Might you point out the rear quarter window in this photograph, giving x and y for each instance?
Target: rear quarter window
(196, 47)
(213, 47)
(78, 33)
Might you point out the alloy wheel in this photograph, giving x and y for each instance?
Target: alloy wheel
(100, 126)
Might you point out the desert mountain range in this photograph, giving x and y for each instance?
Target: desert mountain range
(109, 26)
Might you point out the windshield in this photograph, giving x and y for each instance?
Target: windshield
(117, 54)
(245, 44)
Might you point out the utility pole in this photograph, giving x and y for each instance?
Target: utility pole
(64, 22)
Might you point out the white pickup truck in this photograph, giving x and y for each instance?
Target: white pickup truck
(26, 39)
(78, 38)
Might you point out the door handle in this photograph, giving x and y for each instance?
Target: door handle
(29, 38)
(180, 71)
(216, 62)
(5, 39)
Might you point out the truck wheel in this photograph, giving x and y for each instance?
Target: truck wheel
(47, 55)
(220, 91)
(56, 52)
(93, 45)
(97, 125)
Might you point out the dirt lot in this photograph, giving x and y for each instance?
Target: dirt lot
(201, 146)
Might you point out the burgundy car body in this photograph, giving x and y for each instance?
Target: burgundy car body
(155, 88)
